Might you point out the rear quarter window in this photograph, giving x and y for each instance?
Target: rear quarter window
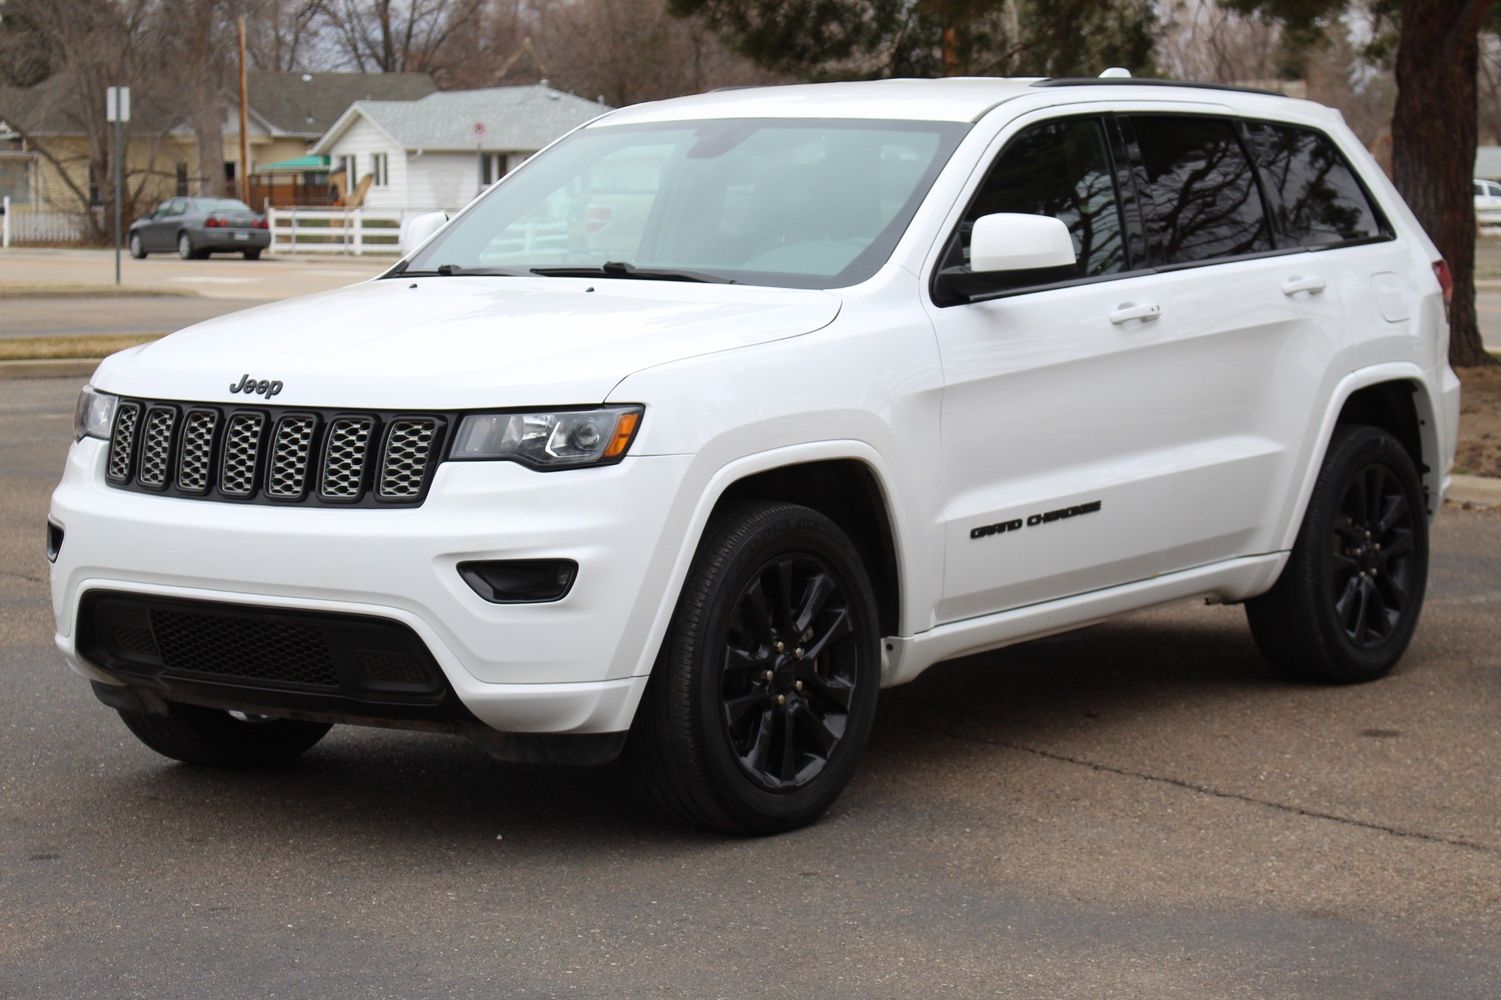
(1317, 200)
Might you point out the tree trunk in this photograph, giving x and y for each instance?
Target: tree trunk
(208, 100)
(1433, 145)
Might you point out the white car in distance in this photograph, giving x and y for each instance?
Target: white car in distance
(723, 413)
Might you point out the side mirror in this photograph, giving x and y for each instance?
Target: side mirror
(1008, 241)
(415, 232)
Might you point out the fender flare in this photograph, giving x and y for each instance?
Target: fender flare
(1363, 378)
(748, 465)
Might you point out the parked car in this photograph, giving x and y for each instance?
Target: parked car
(1487, 202)
(197, 227)
(888, 373)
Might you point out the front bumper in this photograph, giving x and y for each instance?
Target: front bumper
(577, 665)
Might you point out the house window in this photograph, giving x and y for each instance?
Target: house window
(15, 179)
(94, 201)
(182, 180)
(347, 164)
(378, 169)
(492, 167)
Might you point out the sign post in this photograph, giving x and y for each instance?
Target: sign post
(117, 111)
(479, 152)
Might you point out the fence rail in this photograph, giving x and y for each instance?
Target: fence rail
(27, 224)
(355, 231)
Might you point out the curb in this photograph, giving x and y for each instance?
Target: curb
(62, 368)
(1480, 492)
(94, 292)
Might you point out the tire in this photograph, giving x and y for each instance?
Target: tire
(137, 250)
(185, 248)
(215, 738)
(1347, 602)
(253, 254)
(710, 743)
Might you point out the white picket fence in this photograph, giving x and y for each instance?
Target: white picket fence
(355, 231)
(24, 224)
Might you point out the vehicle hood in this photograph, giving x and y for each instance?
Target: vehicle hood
(461, 342)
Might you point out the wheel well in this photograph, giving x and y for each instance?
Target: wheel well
(847, 493)
(1390, 406)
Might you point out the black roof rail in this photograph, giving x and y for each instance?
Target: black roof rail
(1147, 81)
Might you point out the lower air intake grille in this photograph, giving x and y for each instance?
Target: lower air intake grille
(275, 456)
(239, 647)
(257, 655)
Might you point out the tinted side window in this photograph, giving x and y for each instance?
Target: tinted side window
(1319, 202)
(1059, 169)
(1198, 195)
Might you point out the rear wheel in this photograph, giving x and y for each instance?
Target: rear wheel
(253, 254)
(185, 248)
(216, 738)
(1347, 602)
(763, 697)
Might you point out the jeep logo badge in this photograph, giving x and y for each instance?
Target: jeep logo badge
(249, 386)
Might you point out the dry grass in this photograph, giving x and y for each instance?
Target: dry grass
(14, 291)
(1479, 422)
(63, 348)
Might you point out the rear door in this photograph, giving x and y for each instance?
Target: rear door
(1110, 426)
(161, 234)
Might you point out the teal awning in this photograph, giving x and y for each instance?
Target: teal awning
(297, 165)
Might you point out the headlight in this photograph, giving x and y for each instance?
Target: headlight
(560, 440)
(95, 414)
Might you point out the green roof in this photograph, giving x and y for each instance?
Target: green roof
(293, 166)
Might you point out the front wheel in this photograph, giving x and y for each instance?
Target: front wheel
(216, 738)
(764, 694)
(137, 248)
(1347, 602)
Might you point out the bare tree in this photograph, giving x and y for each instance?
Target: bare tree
(399, 36)
(285, 35)
(1201, 40)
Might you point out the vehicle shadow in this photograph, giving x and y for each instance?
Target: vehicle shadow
(405, 791)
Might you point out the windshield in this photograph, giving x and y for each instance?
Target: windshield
(799, 203)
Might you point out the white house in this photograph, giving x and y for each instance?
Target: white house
(438, 152)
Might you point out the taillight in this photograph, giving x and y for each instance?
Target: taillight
(1445, 279)
(259, 224)
(212, 222)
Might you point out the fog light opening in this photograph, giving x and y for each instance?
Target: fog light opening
(520, 581)
(54, 540)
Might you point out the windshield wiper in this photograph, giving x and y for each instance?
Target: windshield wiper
(621, 269)
(455, 271)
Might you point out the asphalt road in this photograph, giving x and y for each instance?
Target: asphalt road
(1139, 809)
(97, 315)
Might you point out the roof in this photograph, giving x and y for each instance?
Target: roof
(955, 99)
(306, 104)
(298, 164)
(50, 108)
(951, 99)
(520, 119)
(1488, 162)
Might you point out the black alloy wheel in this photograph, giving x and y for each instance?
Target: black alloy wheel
(790, 671)
(1372, 568)
(1348, 600)
(764, 692)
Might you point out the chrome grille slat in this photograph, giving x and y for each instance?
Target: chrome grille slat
(403, 464)
(242, 448)
(195, 453)
(122, 441)
(345, 455)
(290, 451)
(156, 446)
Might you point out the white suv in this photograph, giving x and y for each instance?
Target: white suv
(722, 413)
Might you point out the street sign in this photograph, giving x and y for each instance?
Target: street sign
(479, 130)
(117, 104)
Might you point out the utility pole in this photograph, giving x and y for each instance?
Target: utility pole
(117, 111)
(244, 120)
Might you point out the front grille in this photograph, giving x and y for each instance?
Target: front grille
(286, 652)
(272, 455)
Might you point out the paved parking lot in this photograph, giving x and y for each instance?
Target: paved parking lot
(1136, 810)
